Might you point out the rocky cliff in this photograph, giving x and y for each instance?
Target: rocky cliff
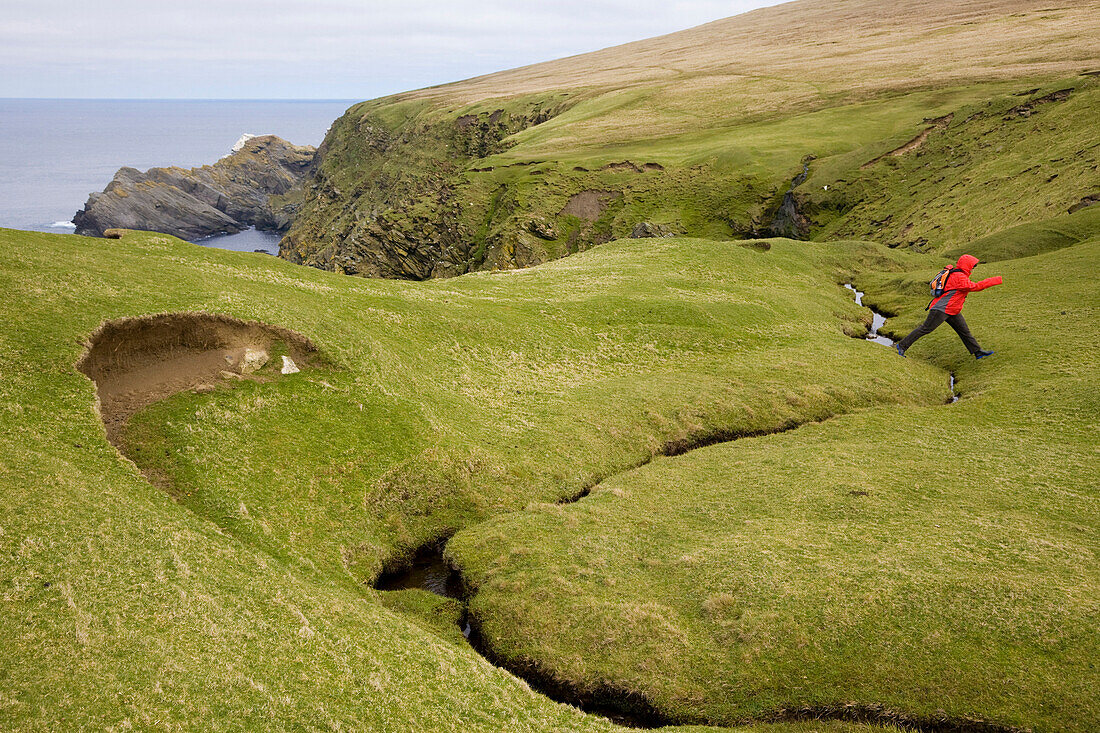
(390, 195)
(701, 132)
(244, 189)
(414, 191)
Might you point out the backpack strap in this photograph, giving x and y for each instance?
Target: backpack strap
(945, 292)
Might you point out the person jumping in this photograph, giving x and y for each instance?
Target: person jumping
(950, 289)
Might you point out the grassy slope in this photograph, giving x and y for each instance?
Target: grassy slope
(543, 382)
(245, 602)
(120, 608)
(746, 577)
(450, 403)
(1034, 238)
(990, 169)
(781, 56)
(730, 109)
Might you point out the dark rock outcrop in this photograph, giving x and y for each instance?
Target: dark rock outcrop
(649, 230)
(789, 219)
(390, 196)
(233, 194)
(1028, 108)
(1091, 200)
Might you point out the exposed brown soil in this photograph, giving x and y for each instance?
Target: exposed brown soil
(938, 123)
(758, 245)
(1086, 201)
(1025, 109)
(135, 362)
(625, 165)
(588, 205)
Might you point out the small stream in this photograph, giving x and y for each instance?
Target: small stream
(877, 319)
(429, 571)
(788, 220)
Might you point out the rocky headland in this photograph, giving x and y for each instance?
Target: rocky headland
(244, 189)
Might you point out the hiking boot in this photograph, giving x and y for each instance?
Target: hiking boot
(983, 354)
(901, 351)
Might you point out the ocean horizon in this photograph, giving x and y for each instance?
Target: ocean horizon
(57, 151)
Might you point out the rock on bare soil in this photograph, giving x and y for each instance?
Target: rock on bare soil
(135, 362)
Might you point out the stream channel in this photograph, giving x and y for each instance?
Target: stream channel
(429, 571)
(878, 320)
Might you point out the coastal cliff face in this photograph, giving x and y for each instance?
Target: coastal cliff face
(707, 132)
(413, 190)
(244, 189)
(517, 168)
(390, 196)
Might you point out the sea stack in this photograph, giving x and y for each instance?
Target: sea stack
(233, 194)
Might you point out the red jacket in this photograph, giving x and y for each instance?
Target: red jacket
(958, 286)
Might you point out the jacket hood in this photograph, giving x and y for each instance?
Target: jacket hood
(966, 263)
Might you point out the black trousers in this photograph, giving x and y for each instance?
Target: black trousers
(933, 321)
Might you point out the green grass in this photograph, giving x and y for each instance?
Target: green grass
(408, 187)
(713, 582)
(401, 194)
(1034, 238)
(887, 552)
(987, 172)
(246, 601)
(747, 577)
(543, 381)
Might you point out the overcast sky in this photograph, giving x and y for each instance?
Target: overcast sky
(319, 49)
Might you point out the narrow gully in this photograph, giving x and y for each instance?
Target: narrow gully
(430, 571)
(788, 220)
(878, 320)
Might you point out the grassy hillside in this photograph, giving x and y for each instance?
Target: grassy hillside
(1009, 160)
(700, 133)
(244, 600)
(473, 404)
(675, 478)
(930, 559)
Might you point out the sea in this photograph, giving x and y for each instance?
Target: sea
(55, 152)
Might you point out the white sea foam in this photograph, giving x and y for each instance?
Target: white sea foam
(237, 146)
(62, 225)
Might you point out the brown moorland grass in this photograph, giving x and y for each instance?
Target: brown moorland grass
(833, 48)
